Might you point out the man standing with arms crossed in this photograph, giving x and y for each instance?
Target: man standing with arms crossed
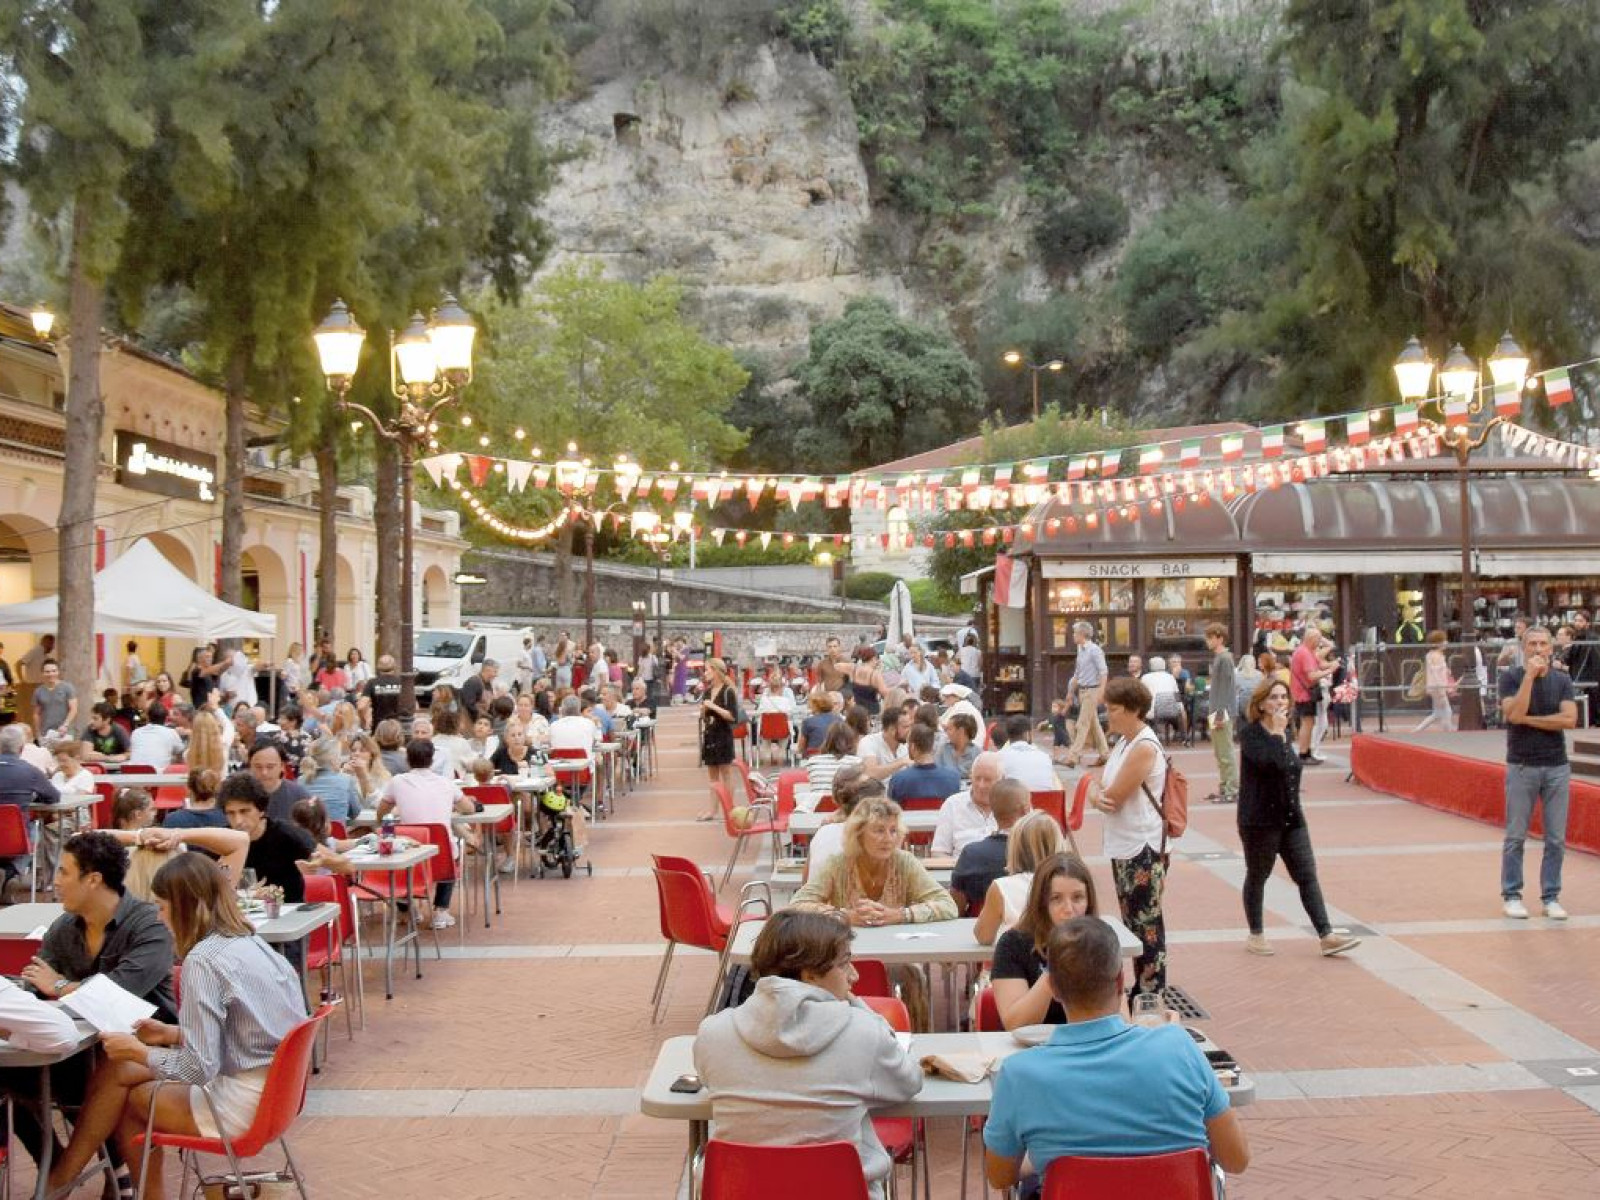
(1223, 694)
(1539, 707)
(1088, 682)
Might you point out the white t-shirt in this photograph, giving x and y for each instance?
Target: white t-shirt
(914, 678)
(80, 784)
(421, 798)
(1160, 683)
(828, 841)
(1136, 824)
(574, 733)
(960, 824)
(238, 682)
(1032, 766)
(155, 746)
(970, 660)
(874, 751)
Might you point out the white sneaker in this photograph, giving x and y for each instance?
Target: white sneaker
(1516, 909)
(442, 919)
(507, 865)
(1555, 912)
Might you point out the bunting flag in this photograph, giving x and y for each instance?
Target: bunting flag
(478, 468)
(1558, 386)
(1190, 454)
(1272, 441)
(517, 474)
(434, 466)
(1507, 399)
(1075, 468)
(1110, 463)
(1455, 410)
(1405, 418)
(1232, 447)
(1357, 428)
(1010, 581)
(1149, 459)
(1314, 436)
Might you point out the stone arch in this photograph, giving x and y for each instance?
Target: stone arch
(347, 612)
(435, 602)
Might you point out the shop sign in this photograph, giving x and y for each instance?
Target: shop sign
(1140, 568)
(151, 465)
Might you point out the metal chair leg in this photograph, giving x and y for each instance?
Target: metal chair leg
(738, 845)
(661, 984)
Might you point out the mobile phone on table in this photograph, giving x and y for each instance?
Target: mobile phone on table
(687, 1084)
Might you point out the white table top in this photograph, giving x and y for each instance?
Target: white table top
(920, 821)
(938, 1098)
(145, 779)
(293, 923)
(934, 942)
(71, 802)
(15, 1056)
(398, 861)
(530, 783)
(785, 881)
(491, 814)
(19, 920)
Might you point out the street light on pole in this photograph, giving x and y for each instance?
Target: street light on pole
(1460, 377)
(1015, 358)
(430, 363)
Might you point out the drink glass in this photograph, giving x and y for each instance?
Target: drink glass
(247, 880)
(1149, 1010)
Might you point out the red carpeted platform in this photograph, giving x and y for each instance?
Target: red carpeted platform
(1461, 773)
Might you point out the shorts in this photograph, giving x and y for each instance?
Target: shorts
(1305, 708)
(236, 1097)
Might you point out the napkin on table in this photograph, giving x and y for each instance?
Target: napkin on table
(960, 1067)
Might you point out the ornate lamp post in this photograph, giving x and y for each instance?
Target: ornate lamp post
(1015, 358)
(1460, 378)
(430, 362)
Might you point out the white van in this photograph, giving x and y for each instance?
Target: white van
(451, 655)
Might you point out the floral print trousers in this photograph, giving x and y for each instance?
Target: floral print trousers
(1139, 883)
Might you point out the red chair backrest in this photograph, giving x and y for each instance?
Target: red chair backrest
(567, 752)
(687, 915)
(989, 1013)
(442, 866)
(175, 769)
(1079, 797)
(337, 829)
(16, 953)
(95, 768)
(492, 793)
(774, 727)
(285, 1092)
(330, 889)
(1054, 803)
(787, 782)
(737, 1172)
(13, 832)
(827, 804)
(921, 804)
(102, 809)
(1181, 1175)
(137, 769)
(872, 979)
(891, 1010)
(741, 732)
(675, 862)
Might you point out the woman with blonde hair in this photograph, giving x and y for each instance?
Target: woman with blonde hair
(1032, 840)
(346, 722)
(240, 1001)
(206, 750)
(874, 881)
(323, 776)
(366, 766)
(719, 713)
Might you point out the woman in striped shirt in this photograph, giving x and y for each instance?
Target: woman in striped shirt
(838, 751)
(240, 999)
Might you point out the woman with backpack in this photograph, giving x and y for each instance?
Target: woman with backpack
(1128, 793)
(1272, 822)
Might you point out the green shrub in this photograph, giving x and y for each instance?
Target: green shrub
(1072, 229)
(817, 27)
(932, 599)
(869, 585)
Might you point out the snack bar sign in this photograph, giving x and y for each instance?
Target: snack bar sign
(1144, 568)
(151, 465)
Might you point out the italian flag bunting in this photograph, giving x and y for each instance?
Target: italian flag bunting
(1455, 410)
(1558, 386)
(1272, 441)
(1075, 469)
(1314, 435)
(1507, 399)
(1232, 447)
(1110, 463)
(1357, 428)
(1189, 456)
(1405, 418)
(1149, 459)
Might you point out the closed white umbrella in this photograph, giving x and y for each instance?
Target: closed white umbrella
(901, 621)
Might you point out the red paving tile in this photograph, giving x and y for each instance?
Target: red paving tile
(583, 1022)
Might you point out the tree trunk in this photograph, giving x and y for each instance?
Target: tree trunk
(75, 647)
(386, 520)
(564, 593)
(233, 454)
(327, 459)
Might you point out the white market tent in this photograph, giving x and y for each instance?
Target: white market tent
(143, 593)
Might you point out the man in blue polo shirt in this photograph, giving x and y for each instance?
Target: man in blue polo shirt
(1100, 1087)
(924, 779)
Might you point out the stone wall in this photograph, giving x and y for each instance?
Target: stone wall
(739, 641)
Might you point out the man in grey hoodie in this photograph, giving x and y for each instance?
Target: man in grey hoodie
(802, 1060)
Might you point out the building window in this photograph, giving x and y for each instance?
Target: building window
(1107, 604)
(898, 527)
(1178, 611)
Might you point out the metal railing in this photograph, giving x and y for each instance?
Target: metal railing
(1385, 678)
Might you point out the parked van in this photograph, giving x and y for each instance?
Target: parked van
(451, 655)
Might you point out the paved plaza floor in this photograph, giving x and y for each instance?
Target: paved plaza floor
(1454, 1054)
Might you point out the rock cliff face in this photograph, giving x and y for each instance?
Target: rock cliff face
(744, 180)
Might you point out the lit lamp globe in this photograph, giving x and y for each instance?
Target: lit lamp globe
(452, 332)
(43, 322)
(1012, 358)
(1413, 371)
(571, 473)
(645, 522)
(1055, 364)
(683, 520)
(416, 360)
(1509, 362)
(339, 340)
(1458, 376)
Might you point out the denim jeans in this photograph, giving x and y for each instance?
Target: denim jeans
(1525, 787)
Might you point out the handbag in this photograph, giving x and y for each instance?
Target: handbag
(1173, 806)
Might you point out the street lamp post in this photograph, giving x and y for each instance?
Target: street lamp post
(1460, 378)
(1015, 358)
(430, 362)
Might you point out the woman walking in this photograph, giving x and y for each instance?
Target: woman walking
(1272, 823)
(719, 713)
(1438, 685)
(1126, 792)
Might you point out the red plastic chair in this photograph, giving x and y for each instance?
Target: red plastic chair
(497, 793)
(337, 829)
(900, 1135)
(137, 769)
(988, 1021)
(1054, 803)
(100, 812)
(323, 950)
(1074, 821)
(574, 778)
(687, 866)
(281, 1102)
(95, 768)
(737, 1172)
(774, 727)
(741, 739)
(384, 885)
(1181, 1175)
(772, 826)
(690, 917)
(14, 840)
(16, 953)
(171, 796)
(872, 979)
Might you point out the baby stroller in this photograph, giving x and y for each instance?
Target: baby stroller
(554, 844)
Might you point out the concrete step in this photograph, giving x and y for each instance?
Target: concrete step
(1586, 747)
(1587, 768)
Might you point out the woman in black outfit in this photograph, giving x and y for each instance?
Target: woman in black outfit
(1272, 823)
(719, 713)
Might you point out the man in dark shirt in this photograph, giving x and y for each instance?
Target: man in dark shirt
(266, 764)
(275, 846)
(108, 741)
(1539, 706)
(478, 690)
(135, 952)
(383, 689)
(924, 779)
(984, 861)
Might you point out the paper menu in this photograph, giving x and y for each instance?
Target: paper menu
(106, 1006)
